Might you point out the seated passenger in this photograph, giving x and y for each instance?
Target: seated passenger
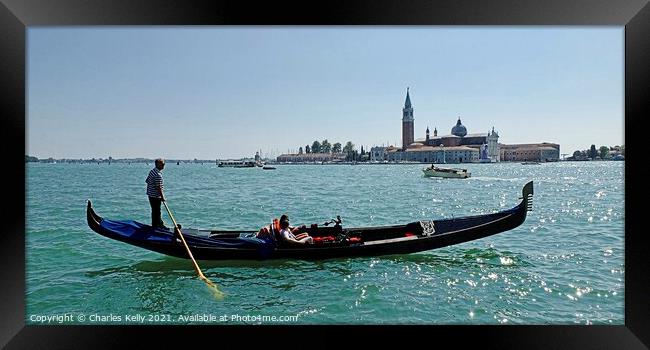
(287, 233)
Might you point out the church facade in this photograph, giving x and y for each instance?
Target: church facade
(486, 144)
(459, 146)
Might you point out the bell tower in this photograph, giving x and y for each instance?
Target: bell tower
(408, 135)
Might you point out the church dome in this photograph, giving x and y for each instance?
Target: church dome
(459, 129)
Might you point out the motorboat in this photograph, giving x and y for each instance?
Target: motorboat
(451, 173)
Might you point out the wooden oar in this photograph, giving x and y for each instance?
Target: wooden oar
(210, 284)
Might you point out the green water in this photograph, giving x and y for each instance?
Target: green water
(563, 265)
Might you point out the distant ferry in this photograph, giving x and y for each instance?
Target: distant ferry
(238, 164)
(242, 163)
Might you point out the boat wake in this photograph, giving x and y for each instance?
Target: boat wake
(489, 178)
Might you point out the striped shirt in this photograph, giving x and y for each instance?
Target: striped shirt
(153, 181)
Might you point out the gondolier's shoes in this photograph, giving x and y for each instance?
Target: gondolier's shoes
(176, 233)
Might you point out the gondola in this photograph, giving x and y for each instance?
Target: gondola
(329, 241)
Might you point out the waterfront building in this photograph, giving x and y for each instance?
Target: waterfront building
(378, 154)
(616, 153)
(460, 137)
(462, 147)
(539, 152)
(493, 148)
(418, 152)
(459, 146)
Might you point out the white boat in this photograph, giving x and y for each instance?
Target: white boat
(237, 164)
(452, 173)
(242, 163)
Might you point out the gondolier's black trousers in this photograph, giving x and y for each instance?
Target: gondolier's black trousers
(156, 220)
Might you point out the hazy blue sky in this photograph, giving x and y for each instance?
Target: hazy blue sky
(222, 92)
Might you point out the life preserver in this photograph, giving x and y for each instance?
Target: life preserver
(275, 230)
(272, 231)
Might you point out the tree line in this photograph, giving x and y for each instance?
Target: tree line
(350, 151)
(603, 152)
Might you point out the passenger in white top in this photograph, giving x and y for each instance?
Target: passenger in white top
(287, 233)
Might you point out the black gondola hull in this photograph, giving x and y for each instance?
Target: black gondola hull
(374, 241)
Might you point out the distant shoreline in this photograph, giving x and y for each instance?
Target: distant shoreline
(175, 162)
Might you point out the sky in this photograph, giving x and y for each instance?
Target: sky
(227, 92)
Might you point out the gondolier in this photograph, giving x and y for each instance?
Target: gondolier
(155, 192)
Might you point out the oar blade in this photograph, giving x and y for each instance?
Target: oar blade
(213, 287)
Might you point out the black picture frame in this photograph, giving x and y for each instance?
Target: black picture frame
(17, 15)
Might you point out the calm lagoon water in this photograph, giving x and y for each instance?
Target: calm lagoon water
(563, 265)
